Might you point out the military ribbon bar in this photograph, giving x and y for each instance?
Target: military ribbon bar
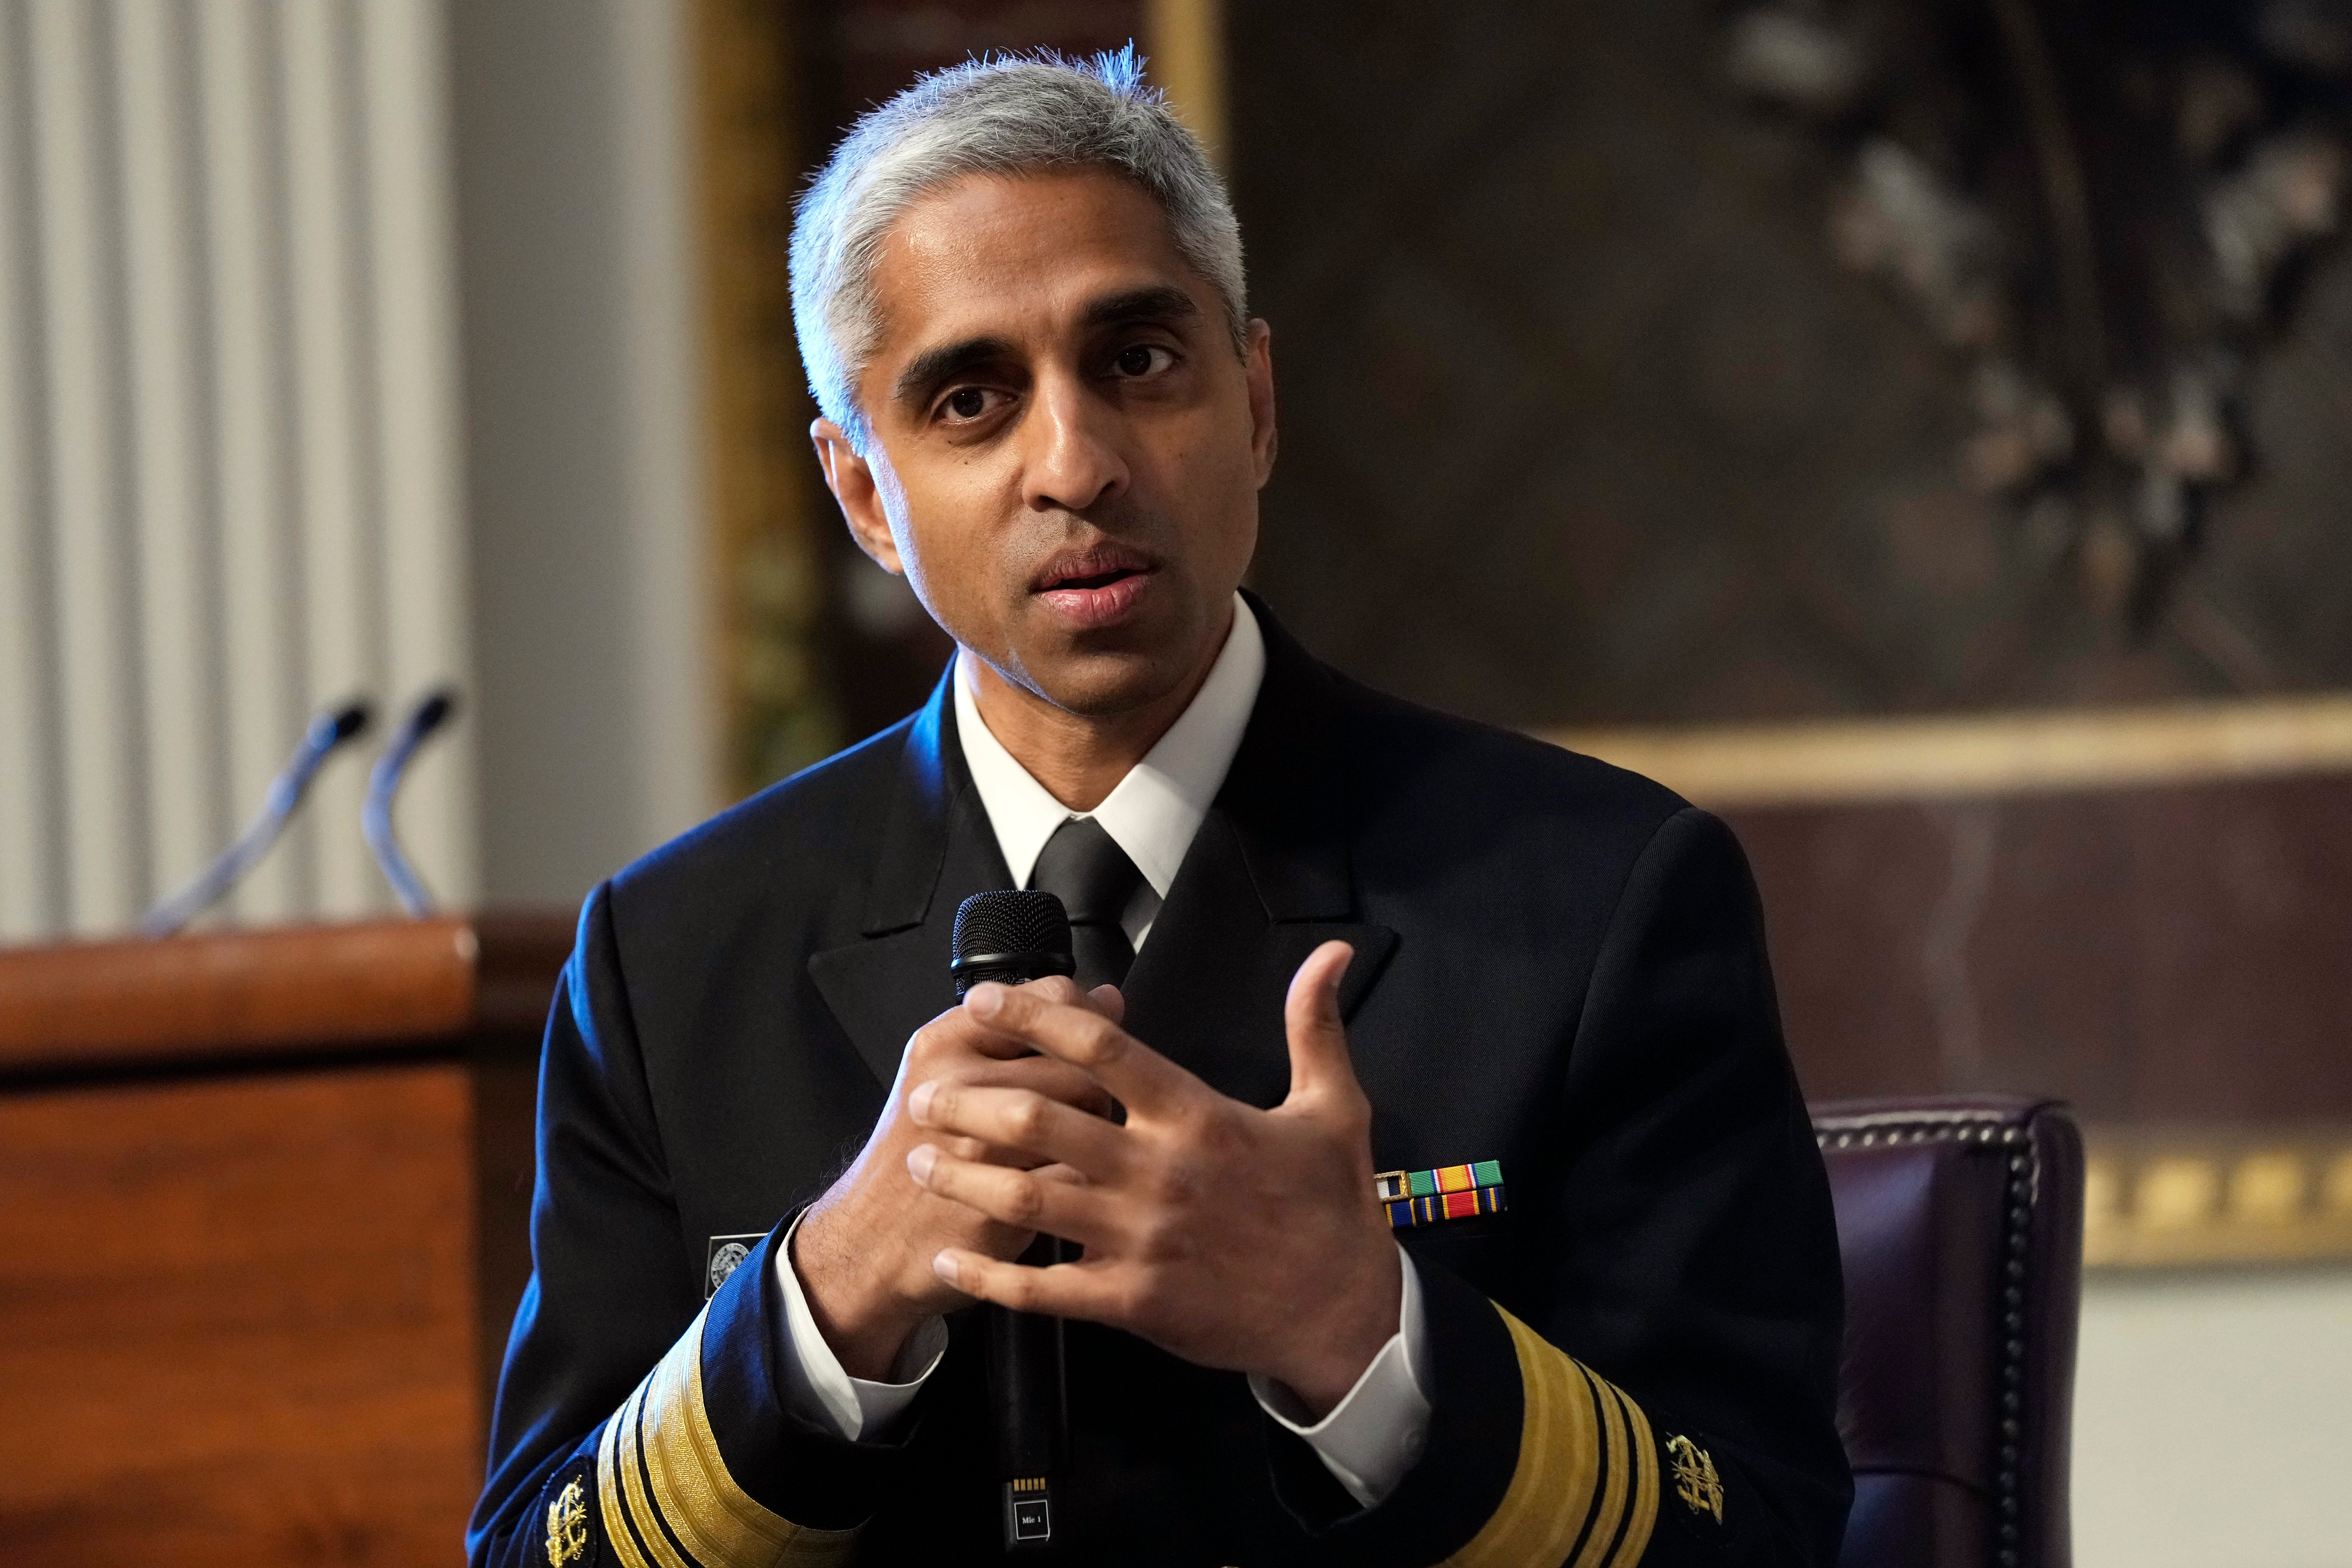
(1446, 1191)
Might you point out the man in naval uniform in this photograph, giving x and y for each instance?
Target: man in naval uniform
(1419, 1105)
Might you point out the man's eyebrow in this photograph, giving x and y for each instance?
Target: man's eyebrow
(1161, 302)
(926, 370)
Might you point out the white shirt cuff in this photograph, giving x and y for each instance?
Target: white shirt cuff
(817, 1388)
(1374, 1435)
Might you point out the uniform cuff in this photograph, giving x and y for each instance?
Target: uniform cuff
(704, 1463)
(819, 1390)
(1529, 1458)
(1371, 1438)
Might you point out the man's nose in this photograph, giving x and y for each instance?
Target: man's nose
(1074, 458)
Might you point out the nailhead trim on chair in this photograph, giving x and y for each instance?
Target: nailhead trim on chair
(1977, 1127)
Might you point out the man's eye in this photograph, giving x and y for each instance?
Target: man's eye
(967, 403)
(1140, 358)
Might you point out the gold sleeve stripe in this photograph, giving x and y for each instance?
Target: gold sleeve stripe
(1609, 1514)
(617, 1458)
(1644, 1513)
(1585, 1492)
(666, 1496)
(651, 1524)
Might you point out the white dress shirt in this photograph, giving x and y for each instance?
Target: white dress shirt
(1373, 1436)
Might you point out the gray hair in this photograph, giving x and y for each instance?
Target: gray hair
(1011, 115)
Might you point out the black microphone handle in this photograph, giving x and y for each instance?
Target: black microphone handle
(1029, 1378)
(1013, 937)
(1029, 1385)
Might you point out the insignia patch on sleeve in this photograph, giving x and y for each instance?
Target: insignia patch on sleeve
(726, 1252)
(1695, 1481)
(567, 1525)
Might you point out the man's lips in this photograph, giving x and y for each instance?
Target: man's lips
(1087, 569)
(1090, 589)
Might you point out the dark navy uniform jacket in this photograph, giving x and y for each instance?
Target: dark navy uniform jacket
(1560, 966)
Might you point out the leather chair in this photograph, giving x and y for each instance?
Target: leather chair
(1960, 1223)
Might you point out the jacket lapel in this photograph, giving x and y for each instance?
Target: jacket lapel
(936, 849)
(1266, 880)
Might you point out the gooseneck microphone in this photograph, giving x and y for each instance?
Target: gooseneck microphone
(330, 730)
(1013, 936)
(383, 787)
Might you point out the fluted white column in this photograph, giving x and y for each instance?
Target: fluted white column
(341, 568)
(89, 562)
(28, 823)
(427, 602)
(179, 641)
(259, 573)
(229, 458)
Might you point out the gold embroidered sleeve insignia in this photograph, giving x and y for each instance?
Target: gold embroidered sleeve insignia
(1695, 1481)
(567, 1526)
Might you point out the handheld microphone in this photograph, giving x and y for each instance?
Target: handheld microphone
(1011, 937)
(383, 785)
(330, 728)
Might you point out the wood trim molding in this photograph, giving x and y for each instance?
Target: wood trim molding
(768, 556)
(2158, 1199)
(230, 995)
(1184, 41)
(1865, 759)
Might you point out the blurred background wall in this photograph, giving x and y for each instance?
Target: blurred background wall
(576, 201)
(1917, 429)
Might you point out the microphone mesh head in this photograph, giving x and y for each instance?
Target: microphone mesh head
(1010, 937)
(336, 725)
(434, 711)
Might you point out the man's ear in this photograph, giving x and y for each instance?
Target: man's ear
(851, 479)
(1257, 365)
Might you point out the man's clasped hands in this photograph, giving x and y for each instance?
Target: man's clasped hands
(1235, 1237)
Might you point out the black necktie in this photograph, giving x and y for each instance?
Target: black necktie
(1085, 868)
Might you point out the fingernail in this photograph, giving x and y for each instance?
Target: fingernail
(944, 1266)
(920, 1160)
(984, 1000)
(919, 1104)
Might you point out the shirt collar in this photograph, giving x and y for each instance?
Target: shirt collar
(1158, 806)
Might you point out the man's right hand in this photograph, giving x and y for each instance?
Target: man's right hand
(864, 1250)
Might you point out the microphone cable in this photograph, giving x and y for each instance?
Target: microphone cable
(384, 785)
(330, 730)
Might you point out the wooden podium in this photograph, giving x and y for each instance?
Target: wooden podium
(263, 1209)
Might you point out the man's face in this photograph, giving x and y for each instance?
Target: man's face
(1066, 451)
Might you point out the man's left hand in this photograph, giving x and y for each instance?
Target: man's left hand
(1234, 1237)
